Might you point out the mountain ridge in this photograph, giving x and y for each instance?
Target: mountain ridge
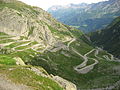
(90, 17)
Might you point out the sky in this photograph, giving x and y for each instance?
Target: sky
(45, 4)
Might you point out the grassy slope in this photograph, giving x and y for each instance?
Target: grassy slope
(17, 5)
(4, 59)
(22, 75)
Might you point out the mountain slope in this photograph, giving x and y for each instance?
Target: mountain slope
(87, 17)
(30, 36)
(109, 38)
(25, 32)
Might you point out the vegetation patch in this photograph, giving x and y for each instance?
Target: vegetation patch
(31, 31)
(23, 75)
(6, 41)
(2, 34)
(7, 60)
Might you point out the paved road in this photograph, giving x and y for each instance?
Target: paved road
(84, 68)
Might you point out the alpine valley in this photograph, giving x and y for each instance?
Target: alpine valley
(39, 53)
(87, 17)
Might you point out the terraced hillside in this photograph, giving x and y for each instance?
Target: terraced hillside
(61, 50)
(74, 60)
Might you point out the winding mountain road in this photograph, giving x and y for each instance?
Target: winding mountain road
(68, 45)
(84, 68)
(6, 44)
(84, 62)
(22, 45)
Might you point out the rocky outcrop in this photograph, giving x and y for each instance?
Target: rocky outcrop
(64, 83)
(19, 61)
(14, 23)
(67, 85)
(32, 23)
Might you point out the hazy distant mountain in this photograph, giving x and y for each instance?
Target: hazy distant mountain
(87, 17)
(109, 38)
